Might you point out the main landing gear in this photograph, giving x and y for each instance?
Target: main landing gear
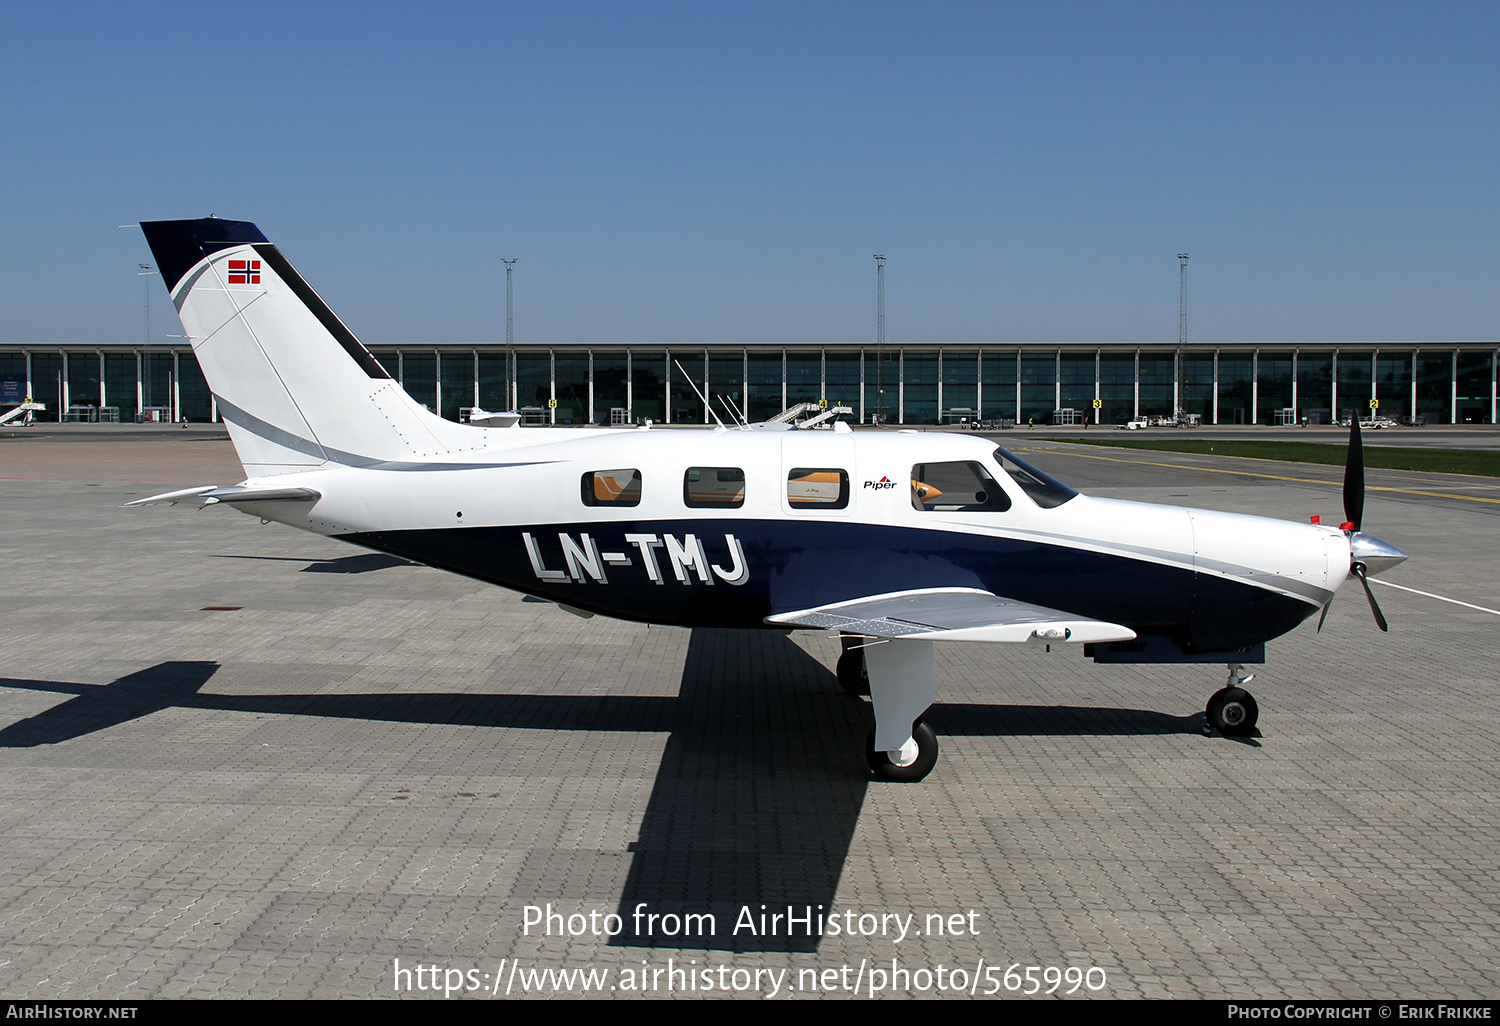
(898, 677)
(853, 675)
(1232, 710)
(909, 763)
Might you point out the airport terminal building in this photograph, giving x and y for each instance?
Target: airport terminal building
(913, 384)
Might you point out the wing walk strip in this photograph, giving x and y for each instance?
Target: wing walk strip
(1251, 473)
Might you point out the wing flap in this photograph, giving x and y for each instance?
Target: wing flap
(953, 614)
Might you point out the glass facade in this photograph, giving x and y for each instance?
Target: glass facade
(572, 391)
(726, 385)
(494, 382)
(1355, 373)
(533, 380)
(1315, 387)
(1077, 380)
(1038, 387)
(686, 371)
(648, 386)
(1274, 386)
(998, 378)
(457, 372)
(841, 373)
(763, 387)
(1236, 389)
(1197, 390)
(611, 375)
(960, 387)
(1435, 387)
(83, 379)
(419, 377)
(921, 384)
(804, 377)
(1473, 384)
(1155, 384)
(1393, 380)
(1117, 389)
(919, 388)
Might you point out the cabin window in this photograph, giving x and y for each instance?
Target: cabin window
(713, 488)
(1045, 491)
(817, 488)
(612, 488)
(956, 488)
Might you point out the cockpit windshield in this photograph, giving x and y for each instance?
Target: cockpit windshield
(1045, 491)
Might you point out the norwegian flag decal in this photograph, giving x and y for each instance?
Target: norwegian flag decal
(244, 272)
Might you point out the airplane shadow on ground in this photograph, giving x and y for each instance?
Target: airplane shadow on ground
(756, 799)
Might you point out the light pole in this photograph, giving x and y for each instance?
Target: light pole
(1182, 334)
(145, 272)
(510, 331)
(880, 337)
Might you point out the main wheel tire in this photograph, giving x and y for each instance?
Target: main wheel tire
(927, 754)
(852, 673)
(1232, 712)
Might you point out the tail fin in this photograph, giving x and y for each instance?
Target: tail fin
(295, 386)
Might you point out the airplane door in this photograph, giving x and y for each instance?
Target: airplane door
(818, 475)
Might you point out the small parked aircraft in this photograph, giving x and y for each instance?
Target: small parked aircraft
(893, 539)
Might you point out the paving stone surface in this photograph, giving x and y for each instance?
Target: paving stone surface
(369, 767)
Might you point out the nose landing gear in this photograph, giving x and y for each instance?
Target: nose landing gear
(1232, 710)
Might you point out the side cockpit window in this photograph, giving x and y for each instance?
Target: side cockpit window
(713, 488)
(612, 488)
(956, 488)
(1045, 491)
(817, 488)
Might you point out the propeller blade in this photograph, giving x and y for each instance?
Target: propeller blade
(1326, 608)
(1359, 571)
(1354, 476)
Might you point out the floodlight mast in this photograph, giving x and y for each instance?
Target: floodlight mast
(880, 337)
(144, 400)
(1182, 334)
(510, 332)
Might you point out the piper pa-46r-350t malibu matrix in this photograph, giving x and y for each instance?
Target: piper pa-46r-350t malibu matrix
(893, 539)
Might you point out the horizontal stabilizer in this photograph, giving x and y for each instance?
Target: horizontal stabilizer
(208, 495)
(952, 614)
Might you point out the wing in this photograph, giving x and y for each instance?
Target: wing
(952, 614)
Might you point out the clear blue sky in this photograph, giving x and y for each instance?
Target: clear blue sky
(723, 172)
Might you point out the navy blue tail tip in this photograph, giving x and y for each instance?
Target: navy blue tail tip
(179, 245)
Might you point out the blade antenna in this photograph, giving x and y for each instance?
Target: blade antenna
(699, 392)
(733, 413)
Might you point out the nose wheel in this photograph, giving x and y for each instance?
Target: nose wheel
(1232, 710)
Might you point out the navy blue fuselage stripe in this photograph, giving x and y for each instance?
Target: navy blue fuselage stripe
(800, 565)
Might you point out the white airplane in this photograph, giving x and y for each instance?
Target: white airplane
(893, 539)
